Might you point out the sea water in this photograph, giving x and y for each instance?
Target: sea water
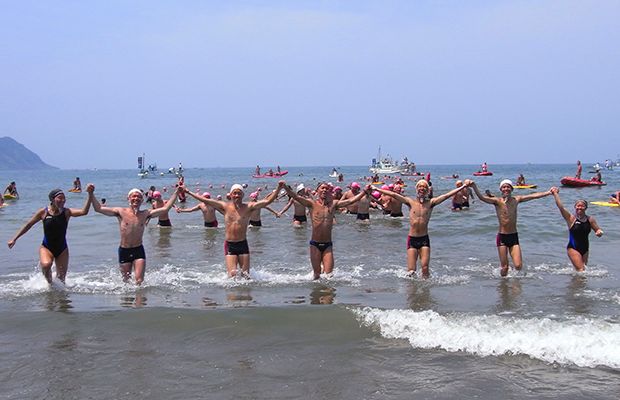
(367, 332)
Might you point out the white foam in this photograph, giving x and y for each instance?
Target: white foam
(581, 341)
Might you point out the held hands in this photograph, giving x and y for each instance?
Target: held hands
(90, 188)
(554, 190)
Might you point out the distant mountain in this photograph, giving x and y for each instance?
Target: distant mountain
(14, 155)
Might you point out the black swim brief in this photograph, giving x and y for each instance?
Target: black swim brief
(236, 248)
(460, 206)
(164, 222)
(300, 218)
(363, 217)
(129, 255)
(417, 242)
(395, 215)
(507, 239)
(322, 246)
(256, 223)
(212, 224)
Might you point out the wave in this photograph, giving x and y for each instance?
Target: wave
(585, 342)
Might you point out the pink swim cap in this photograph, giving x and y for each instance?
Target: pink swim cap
(337, 189)
(355, 185)
(207, 195)
(376, 195)
(385, 187)
(253, 195)
(391, 186)
(156, 194)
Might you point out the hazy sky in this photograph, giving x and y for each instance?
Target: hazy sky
(93, 84)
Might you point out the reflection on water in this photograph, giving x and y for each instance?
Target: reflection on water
(163, 241)
(138, 300)
(209, 238)
(419, 296)
(58, 300)
(239, 296)
(509, 290)
(322, 294)
(574, 294)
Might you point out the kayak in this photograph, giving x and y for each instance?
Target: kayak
(75, 190)
(9, 197)
(574, 182)
(525, 186)
(274, 175)
(604, 203)
(479, 173)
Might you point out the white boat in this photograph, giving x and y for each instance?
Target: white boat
(146, 170)
(384, 165)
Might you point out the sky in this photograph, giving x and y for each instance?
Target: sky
(94, 84)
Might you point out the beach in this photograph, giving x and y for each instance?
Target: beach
(368, 332)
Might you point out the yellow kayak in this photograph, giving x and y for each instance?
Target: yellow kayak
(9, 197)
(525, 186)
(604, 203)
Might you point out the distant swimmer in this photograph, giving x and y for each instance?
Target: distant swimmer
(485, 167)
(11, 190)
(520, 180)
(132, 221)
(579, 168)
(461, 198)
(579, 227)
(208, 212)
(237, 218)
(54, 247)
(77, 184)
(322, 213)
(615, 198)
(163, 219)
(299, 213)
(255, 219)
(507, 239)
(420, 209)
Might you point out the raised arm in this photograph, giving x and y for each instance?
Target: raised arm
(440, 199)
(483, 198)
(302, 200)
(78, 212)
(269, 199)
(533, 196)
(109, 211)
(218, 205)
(344, 203)
(558, 202)
(286, 207)
(38, 216)
(395, 195)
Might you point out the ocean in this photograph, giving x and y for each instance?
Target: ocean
(369, 332)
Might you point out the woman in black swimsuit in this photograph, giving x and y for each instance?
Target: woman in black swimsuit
(579, 227)
(55, 219)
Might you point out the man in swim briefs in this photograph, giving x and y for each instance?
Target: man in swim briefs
(208, 212)
(461, 198)
(132, 221)
(299, 213)
(237, 218)
(322, 212)
(507, 239)
(163, 219)
(420, 209)
(349, 194)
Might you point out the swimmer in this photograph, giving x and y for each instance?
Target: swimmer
(507, 239)
(615, 198)
(255, 220)
(579, 227)
(299, 213)
(420, 209)
(322, 213)
(208, 212)
(163, 219)
(237, 218)
(54, 248)
(77, 185)
(520, 180)
(460, 200)
(354, 190)
(132, 221)
(579, 169)
(12, 189)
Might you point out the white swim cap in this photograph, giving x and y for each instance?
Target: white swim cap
(300, 187)
(506, 182)
(236, 186)
(134, 190)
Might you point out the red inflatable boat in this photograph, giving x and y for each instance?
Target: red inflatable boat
(574, 182)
